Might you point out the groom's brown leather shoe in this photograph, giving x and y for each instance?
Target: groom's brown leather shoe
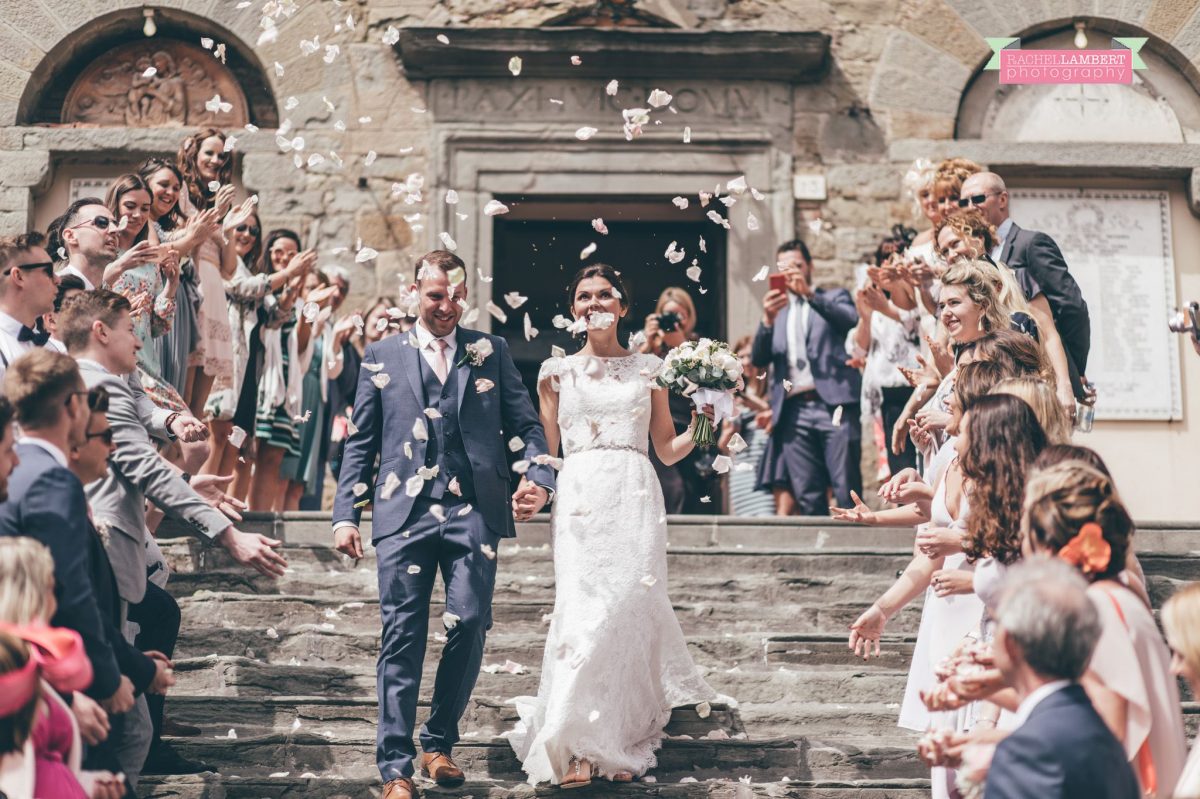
(400, 788)
(441, 769)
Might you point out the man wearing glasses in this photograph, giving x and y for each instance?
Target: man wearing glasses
(27, 290)
(86, 236)
(1039, 256)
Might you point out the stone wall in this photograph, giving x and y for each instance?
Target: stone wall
(897, 72)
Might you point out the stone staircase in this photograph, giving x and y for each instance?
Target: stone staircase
(280, 674)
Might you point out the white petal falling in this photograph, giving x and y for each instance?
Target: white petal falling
(585, 133)
(611, 88)
(722, 464)
(599, 226)
(658, 98)
(681, 203)
(587, 251)
(450, 243)
(761, 274)
(391, 35)
(693, 273)
(515, 444)
(531, 332)
(514, 299)
(420, 432)
(494, 208)
(514, 65)
(381, 380)
(451, 197)
(497, 312)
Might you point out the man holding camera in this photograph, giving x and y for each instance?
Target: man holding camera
(816, 438)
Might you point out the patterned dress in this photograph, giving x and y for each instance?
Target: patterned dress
(149, 326)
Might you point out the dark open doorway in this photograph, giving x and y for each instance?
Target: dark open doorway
(536, 249)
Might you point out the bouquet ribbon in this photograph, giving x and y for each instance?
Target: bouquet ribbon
(722, 403)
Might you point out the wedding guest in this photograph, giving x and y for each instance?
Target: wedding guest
(1038, 254)
(46, 502)
(85, 237)
(306, 471)
(27, 602)
(68, 286)
(1181, 622)
(40, 746)
(968, 234)
(1038, 394)
(687, 482)
(1073, 512)
(204, 163)
(170, 226)
(286, 352)
(150, 286)
(249, 291)
(750, 423)
(815, 441)
(1061, 748)
(886, 340)
(27, 290)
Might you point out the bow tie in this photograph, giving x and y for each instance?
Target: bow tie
(38, 337)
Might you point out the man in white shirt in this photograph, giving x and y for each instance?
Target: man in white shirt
(85, 236)
(27, 290)
(1060, 748)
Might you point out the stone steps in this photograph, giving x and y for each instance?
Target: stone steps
(764, 605)
(293, 786)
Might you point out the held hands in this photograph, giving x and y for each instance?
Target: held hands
(938, 542)
(164, 673)
(348, 541)
(211, 488)
(188, 428)
(774, 302)
(905, 487)
(91, 718)
(860, 513)
(867, 630)
(529, 499)
(251, 549)
(122, 699)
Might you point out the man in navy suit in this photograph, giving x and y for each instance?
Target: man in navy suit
(440, 407)
(816, 438)
(1060, 748)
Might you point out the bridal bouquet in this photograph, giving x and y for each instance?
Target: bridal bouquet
(706, 371)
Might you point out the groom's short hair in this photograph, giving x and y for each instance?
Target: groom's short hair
(442, 260)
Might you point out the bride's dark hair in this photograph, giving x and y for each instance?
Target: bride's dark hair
(598, 270)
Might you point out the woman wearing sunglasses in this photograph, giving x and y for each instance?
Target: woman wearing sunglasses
(246, 294)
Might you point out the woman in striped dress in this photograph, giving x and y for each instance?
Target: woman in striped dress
(751, 402)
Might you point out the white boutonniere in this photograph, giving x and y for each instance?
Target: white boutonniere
(477, 353)
(102, 530)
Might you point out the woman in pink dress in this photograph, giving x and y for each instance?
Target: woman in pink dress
(208, 173)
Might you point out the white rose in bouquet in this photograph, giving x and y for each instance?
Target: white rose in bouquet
(707, 372)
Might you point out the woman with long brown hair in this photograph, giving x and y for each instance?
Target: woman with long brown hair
(207, 169)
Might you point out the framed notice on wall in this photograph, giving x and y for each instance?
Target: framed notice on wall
(1117, 245)
(88, 187)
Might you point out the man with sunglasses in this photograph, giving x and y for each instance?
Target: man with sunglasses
(27, 290)
(86, 237)
(1039, 256)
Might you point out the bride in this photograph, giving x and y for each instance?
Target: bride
(615, 661)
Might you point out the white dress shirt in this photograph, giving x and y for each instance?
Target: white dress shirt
(71, 270)
(428, 349)
(797, 336)
(54, 451)
(1001, 235)
(10, 347)
(1034, 699)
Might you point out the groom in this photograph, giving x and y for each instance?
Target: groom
(437, 406)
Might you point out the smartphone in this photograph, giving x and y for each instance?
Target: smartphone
(777, 282)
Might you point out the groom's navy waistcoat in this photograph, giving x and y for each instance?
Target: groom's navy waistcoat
(445, 448)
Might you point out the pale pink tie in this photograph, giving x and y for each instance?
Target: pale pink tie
(440, 366)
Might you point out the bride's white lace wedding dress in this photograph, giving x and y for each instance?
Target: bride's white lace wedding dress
(615, 661)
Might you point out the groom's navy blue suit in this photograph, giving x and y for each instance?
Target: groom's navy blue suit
(414, 539)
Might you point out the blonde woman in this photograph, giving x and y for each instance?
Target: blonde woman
(1040, 396)
(42, 753)
(1181, 620)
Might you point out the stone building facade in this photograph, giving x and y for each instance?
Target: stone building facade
(820, 104)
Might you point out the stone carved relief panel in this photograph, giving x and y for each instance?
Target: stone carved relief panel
(119, 89)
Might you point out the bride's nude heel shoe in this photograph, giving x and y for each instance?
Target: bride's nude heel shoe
(575, 778)
(622, 776)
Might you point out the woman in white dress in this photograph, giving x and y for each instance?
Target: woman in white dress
(616, 662)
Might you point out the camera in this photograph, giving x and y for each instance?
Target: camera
(668, 322)
(1187, 321)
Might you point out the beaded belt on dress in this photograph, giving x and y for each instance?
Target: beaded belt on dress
(614, 447)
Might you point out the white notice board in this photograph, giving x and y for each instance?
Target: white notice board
(1117, 244)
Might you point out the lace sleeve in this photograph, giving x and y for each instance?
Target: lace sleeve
(552, 370)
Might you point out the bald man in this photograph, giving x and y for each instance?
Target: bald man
(1041, 270)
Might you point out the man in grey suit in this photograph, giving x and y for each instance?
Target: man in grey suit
(437, 407)
(98, 332)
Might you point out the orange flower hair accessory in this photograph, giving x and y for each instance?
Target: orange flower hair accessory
(1088, 551)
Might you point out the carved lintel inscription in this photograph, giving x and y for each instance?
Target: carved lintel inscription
(730, 103)
(154, 83)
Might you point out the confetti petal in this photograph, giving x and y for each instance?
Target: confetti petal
(599, 226)
(381, 380)
(585, 133)
(761, 274)
(514, 65)
(611, 88)
(658, 98)
(514, 299)
(494, 208)
(587, 251)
